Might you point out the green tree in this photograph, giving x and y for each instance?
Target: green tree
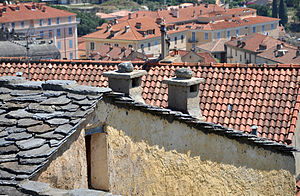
(274, 9)
(88, 21)
(283, 13)
(261, 10)
(298, 13)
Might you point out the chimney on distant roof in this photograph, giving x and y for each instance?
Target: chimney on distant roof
(262, 47)
(126, 29)
(138, 25)
(137, 15)
(183, 92)
(164, 47)
(129, 15)
(126, 80)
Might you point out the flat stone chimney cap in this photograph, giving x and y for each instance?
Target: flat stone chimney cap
(184, 73)
(125, 71)
(125, 67)
(183, 78)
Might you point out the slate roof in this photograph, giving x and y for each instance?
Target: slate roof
(36, 119)
(234, 96)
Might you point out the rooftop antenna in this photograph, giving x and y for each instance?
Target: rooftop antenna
(27, 36)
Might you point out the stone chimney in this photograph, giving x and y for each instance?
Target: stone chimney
(164, 47)
(183, 92)
(129, 16)
(126, 80)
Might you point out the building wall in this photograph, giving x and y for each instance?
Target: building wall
(34, 28)
(243, 30)
(237, 55)
(68, 170)
(149, 155)
(154, 48)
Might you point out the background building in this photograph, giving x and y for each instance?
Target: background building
(39, 20)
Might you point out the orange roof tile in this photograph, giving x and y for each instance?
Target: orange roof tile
(31, 14)
(233, 95)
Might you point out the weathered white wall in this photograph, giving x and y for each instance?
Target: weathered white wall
(69, 169)
(148, 155)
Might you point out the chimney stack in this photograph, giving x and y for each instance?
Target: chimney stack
(126, 80)
(164, 48)
(129, 15)
(183, 92)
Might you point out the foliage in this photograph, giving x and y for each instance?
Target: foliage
(283, 13)
(261, 10)
(274, 9)
(298, 13)
(88, 21)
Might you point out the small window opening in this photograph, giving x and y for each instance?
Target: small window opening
(193, 88)
(135, 82)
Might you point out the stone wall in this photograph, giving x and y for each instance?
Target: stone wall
(148, 155)
(68, 170)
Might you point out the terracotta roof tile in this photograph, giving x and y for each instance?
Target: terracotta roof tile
(256, 94)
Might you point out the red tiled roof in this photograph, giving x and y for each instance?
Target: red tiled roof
(29, 14)
(252, 42)
(234, 96)
(133, 33)
(208, 58)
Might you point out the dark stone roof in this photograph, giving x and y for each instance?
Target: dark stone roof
(36, 118)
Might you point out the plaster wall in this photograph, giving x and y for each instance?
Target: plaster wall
(148, 155)
(69, 169)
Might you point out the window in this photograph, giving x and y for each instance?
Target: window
(41, 22)
(57, 20)
(71, 55)
(155, 45)
(70, 31)
(92, 46)
(240, 58)
(3, 25)
(263, 28)
(228, 34)
(149, 46)
(237, 32)
(116, 44)
(22, 24)
(58, 32)
(245, 55)
(50, 34)
(49, 21)
(70, 43)
(182, 38)
(59, 45)
(13, 25)
(70, 19)
(142, 46)
(42, 34)
(253, 29)
(206, 36)
(193, 36)
(193, 46)
(235, 52)
(272, 26)
(175, 40)
(219, 35)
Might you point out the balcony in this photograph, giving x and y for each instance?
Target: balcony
(192, 40)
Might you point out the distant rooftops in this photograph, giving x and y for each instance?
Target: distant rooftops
(268, 48)
(29, 11)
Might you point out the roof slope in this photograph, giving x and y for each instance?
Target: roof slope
(234, 96)
(35, 121)
(26, 12)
